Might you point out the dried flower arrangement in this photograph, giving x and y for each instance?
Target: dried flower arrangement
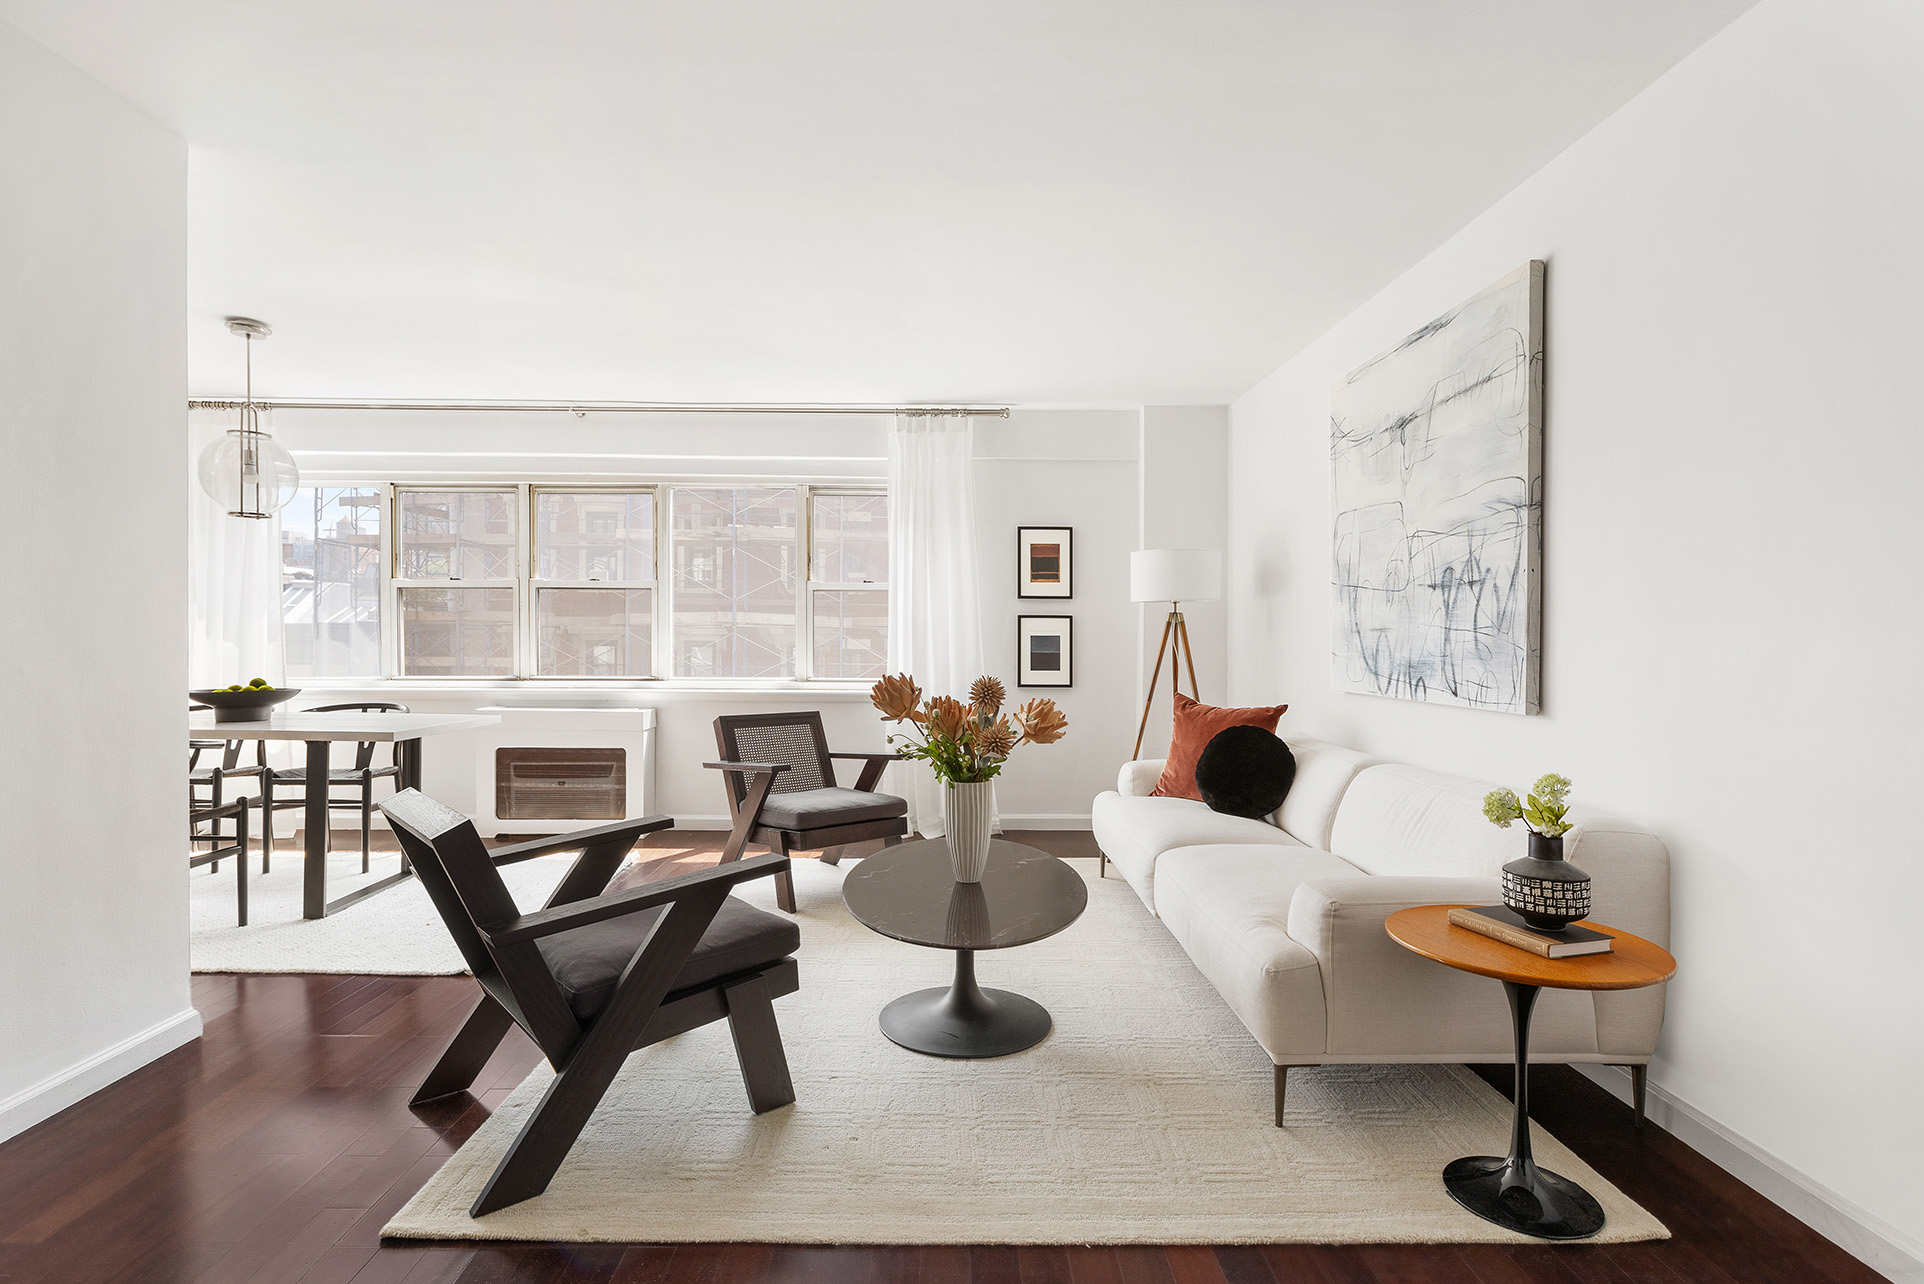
(964, 743)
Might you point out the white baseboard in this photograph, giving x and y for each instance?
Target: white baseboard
(1865, 1236)
(44, 1100)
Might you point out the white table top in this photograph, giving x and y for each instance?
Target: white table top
(335, 726)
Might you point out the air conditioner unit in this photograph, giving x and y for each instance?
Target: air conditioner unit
(546, 770)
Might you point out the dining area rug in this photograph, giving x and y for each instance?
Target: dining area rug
(1144, 1117)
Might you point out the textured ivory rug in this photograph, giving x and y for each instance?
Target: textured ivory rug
(1143, 1118)
(393, 933)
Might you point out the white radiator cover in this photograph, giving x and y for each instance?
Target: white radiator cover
(631, 730)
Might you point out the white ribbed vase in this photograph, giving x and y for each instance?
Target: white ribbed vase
(966, 810)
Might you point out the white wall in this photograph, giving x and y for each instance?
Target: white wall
(1733, 583)
(93, 266)
(1038, 467)
(1183, 472)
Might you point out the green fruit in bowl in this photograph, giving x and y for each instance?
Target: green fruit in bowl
(236, 687)
(258, 682)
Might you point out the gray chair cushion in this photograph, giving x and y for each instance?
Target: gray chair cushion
(589, 960)
(820, 808)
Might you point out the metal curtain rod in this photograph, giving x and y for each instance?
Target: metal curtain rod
(579, 408)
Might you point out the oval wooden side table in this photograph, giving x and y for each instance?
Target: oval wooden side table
(1511, 1190)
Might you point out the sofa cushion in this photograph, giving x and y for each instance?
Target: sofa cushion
(1195, 725)
(587, 961)
(1396, 819)
(819, 808)
(1323, 773)
(1133, 832)
(1229, 908)
(1245, 771)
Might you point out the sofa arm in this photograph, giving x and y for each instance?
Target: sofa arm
(1138, 779)
(1340, 920)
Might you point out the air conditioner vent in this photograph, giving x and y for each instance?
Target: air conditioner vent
(553, 783)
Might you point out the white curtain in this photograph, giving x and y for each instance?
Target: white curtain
(233, 577)
(935, 626)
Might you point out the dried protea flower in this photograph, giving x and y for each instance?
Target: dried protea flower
(947, 718)
(996, 741)
(896, 696)
(986, 696)
(1041, 722)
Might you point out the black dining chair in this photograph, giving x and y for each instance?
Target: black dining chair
(214, 778)
(212, 816)
(359, 779)
(595, 975)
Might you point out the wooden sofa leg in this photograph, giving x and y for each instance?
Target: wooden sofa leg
(832, 856)
(1282, 1088)
(758, 1045)
(1638, 1074)
(1102, 863)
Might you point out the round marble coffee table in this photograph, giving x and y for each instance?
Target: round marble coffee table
(908, 892)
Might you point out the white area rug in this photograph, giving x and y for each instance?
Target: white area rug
(1143, 1118)
(393, 933)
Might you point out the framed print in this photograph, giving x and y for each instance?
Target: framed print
(1045, 651)
(1045, 562)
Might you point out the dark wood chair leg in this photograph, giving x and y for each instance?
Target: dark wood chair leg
(831, 856)
(367, 819)
(240, 860)
(891, 840)
(267, 820)
(784, 883)
(466, 1053)
(1638, 1075)
(564, 1109)
(758, 1045)
(1282, 1090)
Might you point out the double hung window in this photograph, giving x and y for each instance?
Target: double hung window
(753, 583)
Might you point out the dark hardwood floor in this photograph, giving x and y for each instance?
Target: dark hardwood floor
(276, 1147)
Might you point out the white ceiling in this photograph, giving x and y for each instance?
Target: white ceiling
(1075, 201)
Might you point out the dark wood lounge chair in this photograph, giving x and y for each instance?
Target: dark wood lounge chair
(780, 778)
(596, 975)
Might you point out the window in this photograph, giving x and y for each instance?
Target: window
(594, 592)
(331, 582)
(734, 592)
(848, 584)
(450, 537)
(759, 583)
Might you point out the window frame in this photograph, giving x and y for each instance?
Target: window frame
(526, 584)
(528, 602)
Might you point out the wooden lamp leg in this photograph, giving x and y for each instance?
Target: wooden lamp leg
(1154, 677)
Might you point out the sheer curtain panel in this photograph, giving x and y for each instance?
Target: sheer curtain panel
(233, 577)
(935, 626)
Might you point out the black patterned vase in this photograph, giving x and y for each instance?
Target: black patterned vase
(1545, 890)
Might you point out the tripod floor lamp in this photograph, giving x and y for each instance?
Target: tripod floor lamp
(1175, 576)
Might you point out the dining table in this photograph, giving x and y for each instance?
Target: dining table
(320, 732)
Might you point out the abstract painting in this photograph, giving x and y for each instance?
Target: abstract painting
(1045, 651)
(1047, 562)
(1436, 452)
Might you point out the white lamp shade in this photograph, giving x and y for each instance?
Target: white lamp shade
(1175, 575)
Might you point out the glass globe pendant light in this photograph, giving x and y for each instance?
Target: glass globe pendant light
(247, 472)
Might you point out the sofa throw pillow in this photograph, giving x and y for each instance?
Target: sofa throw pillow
(1196, 725)
(1245, 771)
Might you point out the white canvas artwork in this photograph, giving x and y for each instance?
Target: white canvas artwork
(1436, 451)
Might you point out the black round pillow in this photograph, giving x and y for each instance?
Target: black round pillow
(1245, 771)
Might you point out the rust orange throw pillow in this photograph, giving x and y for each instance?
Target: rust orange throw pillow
(1196, 725)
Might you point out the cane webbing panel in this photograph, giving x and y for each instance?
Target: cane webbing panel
(790, 742)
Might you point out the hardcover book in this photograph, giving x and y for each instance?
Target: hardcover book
(1500, 923)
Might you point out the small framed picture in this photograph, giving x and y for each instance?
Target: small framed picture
(1045, 561)
(1045, 651)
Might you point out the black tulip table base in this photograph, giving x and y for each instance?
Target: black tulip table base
(1511, 1190)
(965, 1020)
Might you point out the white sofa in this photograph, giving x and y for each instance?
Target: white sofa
(1285, 915)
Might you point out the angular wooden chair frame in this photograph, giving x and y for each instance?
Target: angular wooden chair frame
(750, 783)
(518, 988)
